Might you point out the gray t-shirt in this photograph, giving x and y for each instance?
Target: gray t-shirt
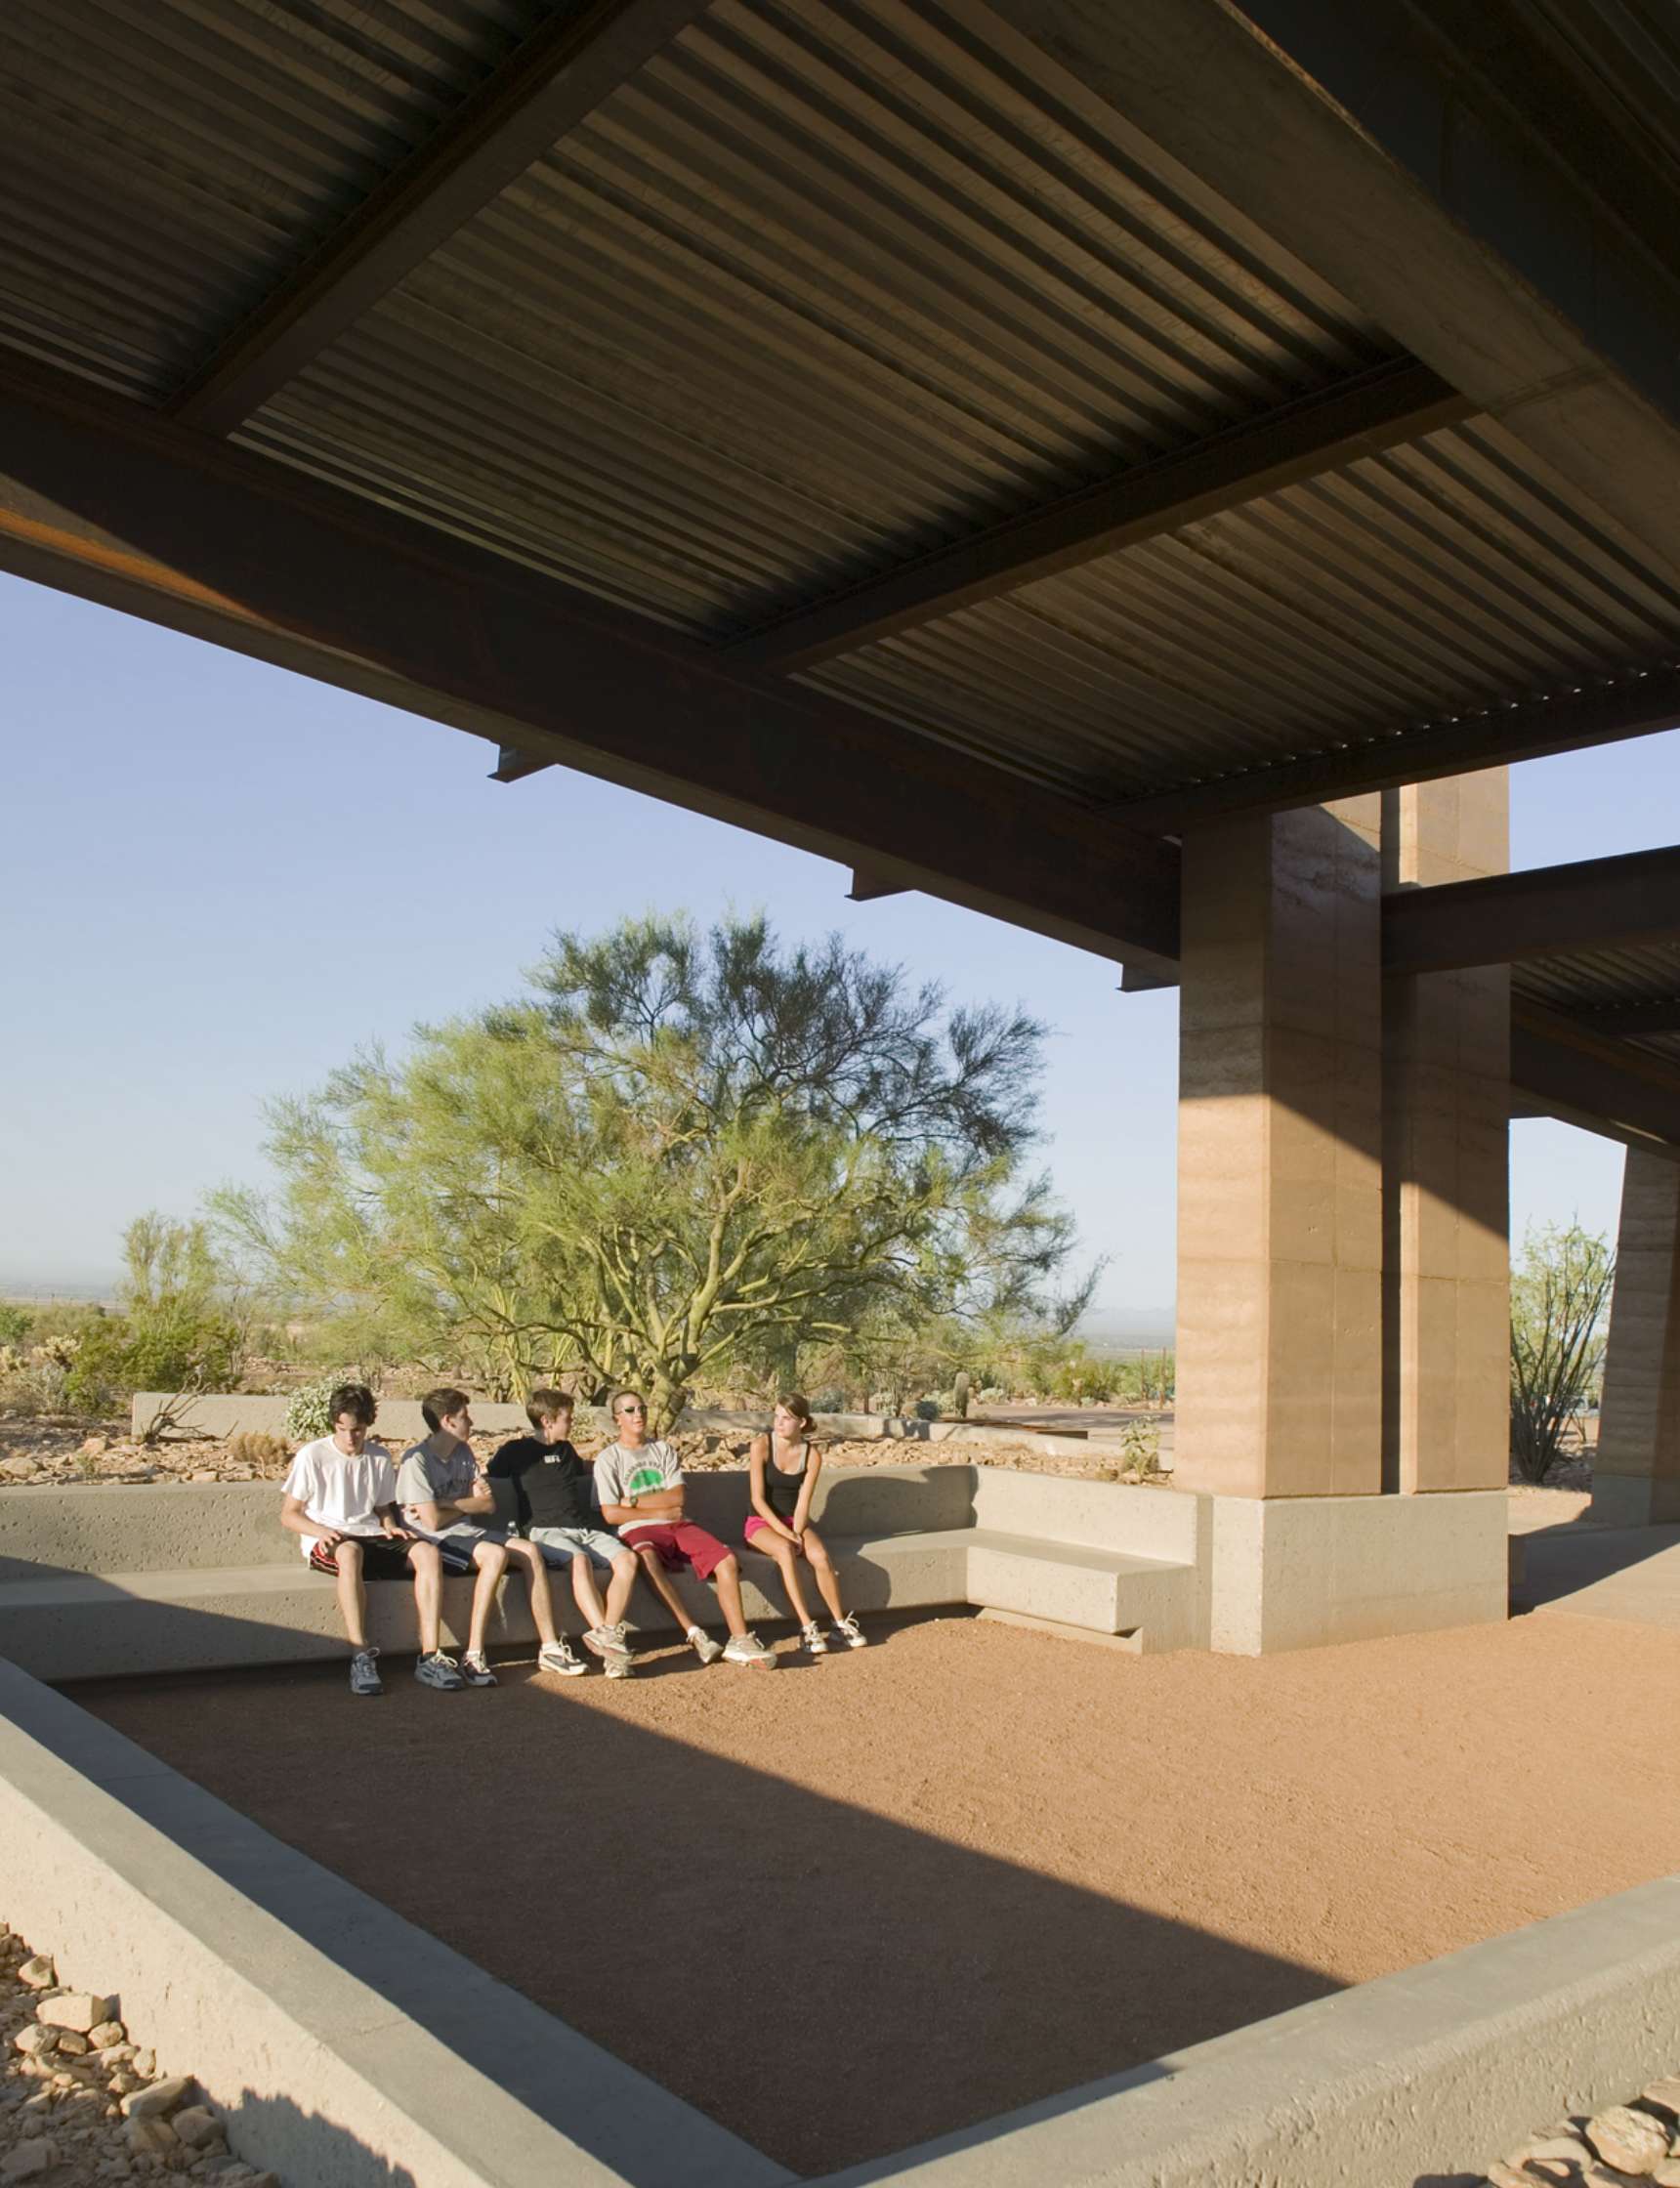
(424, 1479)
(621, 1474)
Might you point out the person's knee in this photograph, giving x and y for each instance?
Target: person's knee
(427, 1559)
(726, 1568)
(819, 1557)
(492, 1557)
(624, 1566)
(347, 1556)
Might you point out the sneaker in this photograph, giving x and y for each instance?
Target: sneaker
(557, 1656)
(607, 1641)
(618, 1668)
(747, 1648)
(439, 1670)
(364, 1672)
(847, 1629)
(704, 1647)
(474, 1670)
(810, 1638)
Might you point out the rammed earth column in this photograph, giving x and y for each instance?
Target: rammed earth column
(1636, 1476)
(1280, 1223)
(1446, 1104)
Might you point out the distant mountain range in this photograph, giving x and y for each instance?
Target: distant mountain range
(1128, 1328)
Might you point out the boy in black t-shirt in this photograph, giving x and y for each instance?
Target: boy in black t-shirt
(553, 1506)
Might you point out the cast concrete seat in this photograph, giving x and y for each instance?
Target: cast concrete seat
(96, 1583)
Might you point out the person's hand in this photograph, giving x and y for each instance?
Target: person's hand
(398, 1533)
(332, 1536)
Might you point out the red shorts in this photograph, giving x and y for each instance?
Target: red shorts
(679, 1545)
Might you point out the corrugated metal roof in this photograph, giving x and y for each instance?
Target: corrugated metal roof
(1443, 577)
(823, 286)
(163, 162)
(1587, 981)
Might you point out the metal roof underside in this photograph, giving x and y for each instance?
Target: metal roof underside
(819, 289)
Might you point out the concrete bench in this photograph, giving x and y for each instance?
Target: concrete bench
(160, 1579)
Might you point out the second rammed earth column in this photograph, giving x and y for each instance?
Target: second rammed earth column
(1636, 1474)
(1281, 1279)
(1447, 1106)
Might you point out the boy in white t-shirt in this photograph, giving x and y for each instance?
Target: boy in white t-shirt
(341, 1498)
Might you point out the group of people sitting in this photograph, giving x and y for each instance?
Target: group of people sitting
(537, 1506)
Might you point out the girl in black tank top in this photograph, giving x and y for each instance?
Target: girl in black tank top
(784, 1468)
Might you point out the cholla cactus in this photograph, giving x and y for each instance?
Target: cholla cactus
(309, 1414)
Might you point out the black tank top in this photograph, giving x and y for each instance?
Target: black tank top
(781, 1491)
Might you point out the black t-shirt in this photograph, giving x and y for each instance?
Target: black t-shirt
(551, 1484)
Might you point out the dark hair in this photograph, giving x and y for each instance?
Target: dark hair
(619, 1396)
(437, 1405)
(547, 1404)
(791, 1401)
(353, 1398)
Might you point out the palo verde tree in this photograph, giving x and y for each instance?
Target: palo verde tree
(1561, 1288)
(678, 1159)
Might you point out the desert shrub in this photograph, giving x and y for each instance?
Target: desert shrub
(928, 1408)
(1560, 1284)
(33, 1379)
(310, 1412)
(16, 1323)
(257, 1449)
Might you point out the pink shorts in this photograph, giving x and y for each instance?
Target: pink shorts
(677, 1546)
(757, 1524)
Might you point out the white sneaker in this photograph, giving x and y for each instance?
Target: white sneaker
(704, 1647)
(439, 1670)
(474, 1670)
(607, 1641)
(847, 1629)
(810, 1638)
(747, 1648)
(619, 1668)
(364, 1672)
(557, 1656)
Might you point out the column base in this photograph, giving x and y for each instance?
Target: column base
(1301, 1571)
(1634, 1500)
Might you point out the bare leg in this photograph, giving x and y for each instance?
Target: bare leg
(827, 1579)
(726, 1578)
(584, 1589)
(619, 1587)
(491, 1560)
(787, 1564)
(428, 1593)
(537, 1580)
(352, 1595)
(660, 1580)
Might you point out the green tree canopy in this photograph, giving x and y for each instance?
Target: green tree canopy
(677, 1160)
(1560, 1285)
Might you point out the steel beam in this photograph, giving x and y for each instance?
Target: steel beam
(100, 498)
(1604, 710)
(1358, 417)
(1595, 903)
(1660, 1015)
(1598, 1084)
(1345, 133)
(556, 76)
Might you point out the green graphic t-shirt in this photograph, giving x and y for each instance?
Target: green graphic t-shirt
(621, 1474)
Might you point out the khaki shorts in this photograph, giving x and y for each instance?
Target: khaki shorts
(561, 1544)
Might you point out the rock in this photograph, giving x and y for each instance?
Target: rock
(16, 1469)
(38, 2155)
(197, 2126)
(37, 1973)
(107, 2036)
(146, 2063)
(95, 1447)
(71, 2044)
(1612, 2176)
(1668, 2174)
(1508, 2176)
(153, 2139)
(1628, 2141)
(34, 2040)
(1663, 2094)
(159, 2097)
(75, 2009)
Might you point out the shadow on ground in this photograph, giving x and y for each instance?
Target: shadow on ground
(830, 1985)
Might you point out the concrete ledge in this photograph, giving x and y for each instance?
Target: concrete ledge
(1418, 2079)
(393, 2063)
(1634, 1500)
(1301, 1571)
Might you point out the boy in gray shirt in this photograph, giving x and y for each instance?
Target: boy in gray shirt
(442, 1495)
(638, 1487)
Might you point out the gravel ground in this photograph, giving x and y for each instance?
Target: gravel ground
(82, 2103)
(967, 1866)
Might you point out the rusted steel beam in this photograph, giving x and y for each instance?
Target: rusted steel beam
(103, 499)
(1356, 417)
(1593, 903)
(559, 74)
(1603, 1085)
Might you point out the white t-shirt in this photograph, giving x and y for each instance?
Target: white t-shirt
(342, 1491)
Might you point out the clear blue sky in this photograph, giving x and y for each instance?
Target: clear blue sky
(218, 875)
